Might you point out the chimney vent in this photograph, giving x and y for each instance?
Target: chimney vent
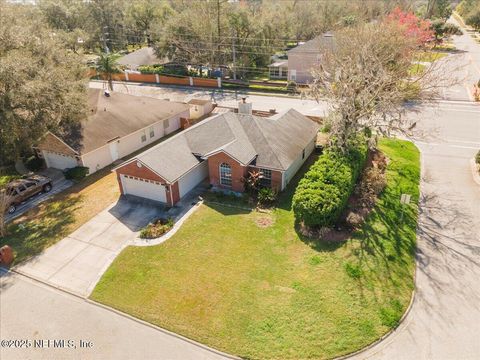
(244, 107)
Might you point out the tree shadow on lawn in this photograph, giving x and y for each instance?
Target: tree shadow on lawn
(228, 209)
(50, 224)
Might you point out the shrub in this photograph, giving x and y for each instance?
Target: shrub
(76, 173)
(34, 163)
(477, 158)
(156, 228)
(266, 196)
(353, 271)
(322, 194)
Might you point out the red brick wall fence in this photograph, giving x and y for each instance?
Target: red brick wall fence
(162, 79)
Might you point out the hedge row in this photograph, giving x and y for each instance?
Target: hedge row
(322, 194)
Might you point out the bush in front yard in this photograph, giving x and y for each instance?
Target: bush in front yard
(34, 163)
(76, 173)
(477, 158)
(156, 228)
(266, 196)
(322, 194)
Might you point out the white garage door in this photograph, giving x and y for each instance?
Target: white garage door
(144, 188)
(58, 161)
(191, 179)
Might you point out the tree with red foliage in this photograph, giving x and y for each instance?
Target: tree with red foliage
(414, 26)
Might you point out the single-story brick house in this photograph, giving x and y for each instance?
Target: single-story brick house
(222, 148)
(117, 125)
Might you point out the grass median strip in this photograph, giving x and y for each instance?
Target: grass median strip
(247, 283)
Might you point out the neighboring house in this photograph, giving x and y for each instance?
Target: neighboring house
(143, 56)
(303, 58)
(222, 149)
(199, 108)
(278, 70)
(117, 125)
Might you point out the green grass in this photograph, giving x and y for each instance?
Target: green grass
(8, 174)
(416, 69)
(269, 293)
(54, 219)
(429, 56)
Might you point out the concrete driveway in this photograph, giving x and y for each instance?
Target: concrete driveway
(76, 263)
(59, 184)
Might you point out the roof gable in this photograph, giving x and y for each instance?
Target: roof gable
(117, 116)
(272, 142)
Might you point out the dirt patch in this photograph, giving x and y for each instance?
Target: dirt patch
(264, 221)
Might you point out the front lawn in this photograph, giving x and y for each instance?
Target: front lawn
(54, 219)
(247, 283)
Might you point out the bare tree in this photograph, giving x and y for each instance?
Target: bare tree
(367, 73)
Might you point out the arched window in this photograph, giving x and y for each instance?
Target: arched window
(225, 175)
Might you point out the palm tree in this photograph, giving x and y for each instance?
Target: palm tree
(107, 65)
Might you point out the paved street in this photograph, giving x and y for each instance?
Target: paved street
(443, 323)
(29, 310)
(228, 98)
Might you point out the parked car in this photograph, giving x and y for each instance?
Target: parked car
(22, 189)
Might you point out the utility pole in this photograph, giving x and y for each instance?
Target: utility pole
(218, 32)
(234, 55)
(105, 34)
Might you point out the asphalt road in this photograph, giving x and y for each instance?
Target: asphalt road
(222, 98)
(32, 311)
(444, 321)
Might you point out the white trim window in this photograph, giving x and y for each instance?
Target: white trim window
(225, 175)
(152, 132)
(266, 179)
(166, 124)
(144, 136)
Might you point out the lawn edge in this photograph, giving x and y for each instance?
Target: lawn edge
(5, 271)
(163, 330)
(393, 330)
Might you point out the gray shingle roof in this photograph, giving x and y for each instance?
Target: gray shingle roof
(315, 45)
(117, 116)
(271, 142)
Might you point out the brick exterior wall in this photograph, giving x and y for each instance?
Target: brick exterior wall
(175, 194)
(238, 171)
(145, 173)
(276, 178)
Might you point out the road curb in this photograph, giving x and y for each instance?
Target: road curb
(120, 313)
(165, 331)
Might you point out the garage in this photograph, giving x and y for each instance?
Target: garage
(59, 161)
(144, 188)
(194, 177)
